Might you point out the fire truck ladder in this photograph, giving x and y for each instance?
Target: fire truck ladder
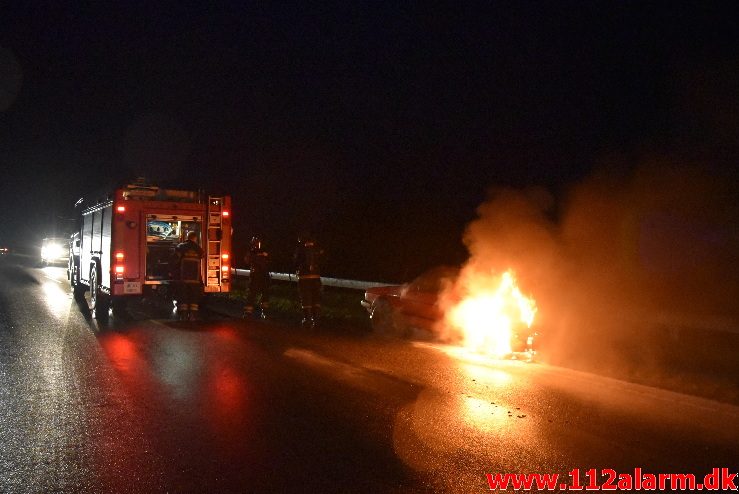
(213, 278)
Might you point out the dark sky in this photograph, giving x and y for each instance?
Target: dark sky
(379, 125)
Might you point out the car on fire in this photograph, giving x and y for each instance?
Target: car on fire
(412, 310)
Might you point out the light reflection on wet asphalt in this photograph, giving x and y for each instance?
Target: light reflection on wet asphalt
(149, 404)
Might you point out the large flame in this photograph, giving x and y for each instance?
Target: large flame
(491, 311)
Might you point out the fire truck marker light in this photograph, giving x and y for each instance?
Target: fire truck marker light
(119, 269)
(224, 268)
(225, 213)
(224, 256)
(121, 209)
(119, 256)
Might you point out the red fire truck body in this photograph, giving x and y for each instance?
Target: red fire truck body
(126, 242)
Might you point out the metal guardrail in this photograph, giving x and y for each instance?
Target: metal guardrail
(335, 282)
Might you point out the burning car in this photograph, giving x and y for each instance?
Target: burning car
(486, 313)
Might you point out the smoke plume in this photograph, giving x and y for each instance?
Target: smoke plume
(635, 276)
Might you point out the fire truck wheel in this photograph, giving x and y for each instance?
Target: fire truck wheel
(99, 302)
(78, 289)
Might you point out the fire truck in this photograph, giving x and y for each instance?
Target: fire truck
(126, 240)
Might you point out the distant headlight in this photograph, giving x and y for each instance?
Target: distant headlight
(52, 251)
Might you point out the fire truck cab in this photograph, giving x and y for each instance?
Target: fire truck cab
(126, 242)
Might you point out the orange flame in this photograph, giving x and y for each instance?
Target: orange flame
(490, 313)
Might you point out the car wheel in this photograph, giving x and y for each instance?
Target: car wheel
(384, 321)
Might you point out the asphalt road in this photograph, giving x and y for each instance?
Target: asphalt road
(148, 404)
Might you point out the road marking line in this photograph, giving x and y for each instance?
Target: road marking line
(53, 279)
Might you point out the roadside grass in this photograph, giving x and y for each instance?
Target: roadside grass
(339, 306)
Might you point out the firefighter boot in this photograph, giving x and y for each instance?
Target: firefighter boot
(182, 311)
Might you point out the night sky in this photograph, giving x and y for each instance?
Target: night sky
(378, 125)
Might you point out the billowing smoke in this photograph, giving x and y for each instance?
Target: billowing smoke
(633, 276)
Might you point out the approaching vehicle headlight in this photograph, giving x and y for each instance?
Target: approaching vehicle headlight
(52, 251)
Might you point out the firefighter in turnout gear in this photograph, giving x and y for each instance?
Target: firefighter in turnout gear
(259, 280)
(307, 266)
(187, 273)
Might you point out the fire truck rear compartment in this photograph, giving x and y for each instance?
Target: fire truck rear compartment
(163, 233)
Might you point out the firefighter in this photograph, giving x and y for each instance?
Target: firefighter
(189, 281)
(307, 266)
(259, 280)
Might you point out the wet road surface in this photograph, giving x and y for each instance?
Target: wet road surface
(149, 404)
